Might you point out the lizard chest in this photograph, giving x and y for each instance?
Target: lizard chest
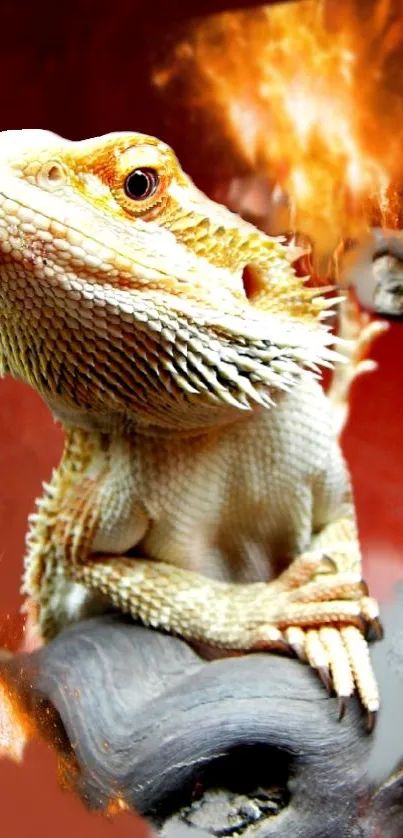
(235, 506)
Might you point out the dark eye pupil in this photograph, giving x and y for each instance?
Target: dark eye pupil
(141, 183)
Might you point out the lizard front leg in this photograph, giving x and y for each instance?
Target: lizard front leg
(314, 612)
(93, 518)
(323, 615)
(329, 634)
(325, 618)
(61, 530)
(248, 617)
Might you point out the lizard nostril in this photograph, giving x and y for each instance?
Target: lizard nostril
(252, 282)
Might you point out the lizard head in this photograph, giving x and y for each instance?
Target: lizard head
(122, 287)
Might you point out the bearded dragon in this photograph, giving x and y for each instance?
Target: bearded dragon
(202, 488)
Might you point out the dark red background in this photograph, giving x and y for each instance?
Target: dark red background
(84, 70)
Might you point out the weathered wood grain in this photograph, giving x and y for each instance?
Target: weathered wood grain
(240, 746)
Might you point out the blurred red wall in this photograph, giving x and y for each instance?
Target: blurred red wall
(81, 70)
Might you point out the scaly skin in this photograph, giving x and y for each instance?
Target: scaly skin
(202, 488)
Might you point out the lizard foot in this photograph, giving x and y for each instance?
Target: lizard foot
(324, 620)
(340, 656)
(330, 636)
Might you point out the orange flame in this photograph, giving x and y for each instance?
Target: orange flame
(311, 95)
(15, 729)
(116, 806)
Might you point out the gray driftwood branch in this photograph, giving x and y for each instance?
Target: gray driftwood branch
(241, 746)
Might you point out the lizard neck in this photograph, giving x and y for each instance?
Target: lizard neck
(117, 372)
(128, 426)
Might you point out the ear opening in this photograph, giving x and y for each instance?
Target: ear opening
(253, 282)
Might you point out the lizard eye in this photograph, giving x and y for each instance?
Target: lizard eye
(141, 184)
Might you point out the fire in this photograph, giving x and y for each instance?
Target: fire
(14, 727)
(116, 806)
(311, 95)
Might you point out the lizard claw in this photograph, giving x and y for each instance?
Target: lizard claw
(343, 703)
(339, 654)
(370, 612)
(374, 630)
(324, 675)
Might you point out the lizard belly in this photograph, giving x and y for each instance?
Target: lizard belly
(238, 507)
(237, 554)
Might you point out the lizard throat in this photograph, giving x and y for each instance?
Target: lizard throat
(149, 360)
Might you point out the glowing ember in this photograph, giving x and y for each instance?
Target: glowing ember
(14, 729)
(313, 103)
(116, 806)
